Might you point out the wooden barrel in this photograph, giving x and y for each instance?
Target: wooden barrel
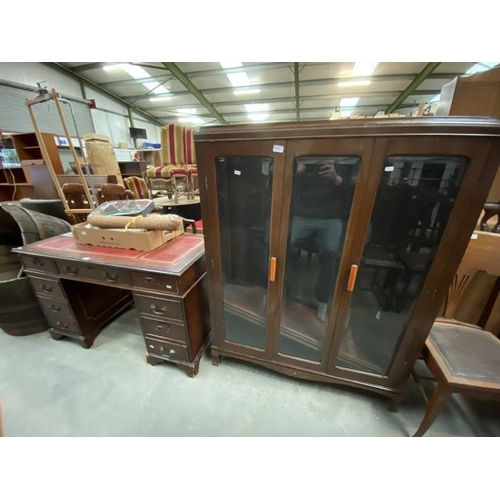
(35, 226)
(20, 313)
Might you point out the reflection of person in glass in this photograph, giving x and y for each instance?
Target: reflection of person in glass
(320, 208)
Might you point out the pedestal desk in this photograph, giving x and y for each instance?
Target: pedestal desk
(81, 288)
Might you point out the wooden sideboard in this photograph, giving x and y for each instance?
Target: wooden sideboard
(81, 288)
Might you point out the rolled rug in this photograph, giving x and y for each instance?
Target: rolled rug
(152, 222)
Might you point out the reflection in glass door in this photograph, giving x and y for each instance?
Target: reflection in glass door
(322, 193)
(244, 187)
(413, 203)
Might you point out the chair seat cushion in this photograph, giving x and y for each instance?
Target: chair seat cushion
(468, 353)
(164, 171)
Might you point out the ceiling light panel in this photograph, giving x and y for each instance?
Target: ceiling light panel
(364, 68)
(246, 91)
(347, 102)
(258, 117)
(256, 107)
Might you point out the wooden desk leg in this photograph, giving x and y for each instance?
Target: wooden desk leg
(439, 398)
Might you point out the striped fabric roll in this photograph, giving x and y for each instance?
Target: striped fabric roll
(172, 144)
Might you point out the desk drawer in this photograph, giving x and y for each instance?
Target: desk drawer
(93, 271)
(159, 307)
(47, 287)
(39, 263)
(153, 281)
(163, 329)
(67, 325)
(55, 307)
(166, 349)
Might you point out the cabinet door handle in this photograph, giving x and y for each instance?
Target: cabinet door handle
(352, 278)
(159, 312)
(46, 288)
(272, 269)
(72, 271)
(111, 278)
(55, 308)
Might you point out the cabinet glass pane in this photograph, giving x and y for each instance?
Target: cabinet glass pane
(322, 192)
(244, 187)
(413, 203)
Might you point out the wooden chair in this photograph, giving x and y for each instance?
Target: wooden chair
(77, 199)
(463, 357)
(110, 192)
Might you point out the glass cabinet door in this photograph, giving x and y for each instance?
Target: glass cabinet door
(244, 191)
(321, 198)
(414, 200)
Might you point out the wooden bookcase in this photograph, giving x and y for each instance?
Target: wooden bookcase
(31, 179)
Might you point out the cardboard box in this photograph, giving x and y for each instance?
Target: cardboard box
(96, 137)
(120, 238)
(102, 158)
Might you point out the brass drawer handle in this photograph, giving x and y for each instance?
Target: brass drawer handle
(72, 271)
(161, 327)
(110, 278)
(47, 288)
(61, 325)
(159, 312)
(55, 308)
(172, 351)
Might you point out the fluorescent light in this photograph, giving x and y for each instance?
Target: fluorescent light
(348, 102)
(258, 117)
(191, 119)
(253, 108)
(227, 65)
(247, 91)
(359, 83)
(158, 99)
(114, 67)
(239, 79)
(346, 113)
(364, 68)
(187, 111)
(156, 88)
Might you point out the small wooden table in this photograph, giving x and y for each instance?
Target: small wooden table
(81, 288)
(189, 209)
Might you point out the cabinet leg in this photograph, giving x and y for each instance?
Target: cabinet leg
(153, 361)
(190, 370)
(86, 343)
(56, 336)
(392, 404)
(216, 359)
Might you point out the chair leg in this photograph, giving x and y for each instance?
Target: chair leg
(439, 398)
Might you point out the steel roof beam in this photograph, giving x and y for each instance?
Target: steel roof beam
(417, 81)
(183, 78)
(63, 69)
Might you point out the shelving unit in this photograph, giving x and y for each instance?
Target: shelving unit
(31, 178)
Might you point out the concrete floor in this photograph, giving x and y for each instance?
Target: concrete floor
(50, 388)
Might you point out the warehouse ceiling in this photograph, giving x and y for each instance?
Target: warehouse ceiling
(209, 93)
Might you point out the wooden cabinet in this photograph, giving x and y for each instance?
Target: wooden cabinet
(31, 179)
(330, 245)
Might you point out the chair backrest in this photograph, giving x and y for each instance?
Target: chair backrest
(481, 255)
(138, 187)
(177, 145)
(76, 198)
(110, 192)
